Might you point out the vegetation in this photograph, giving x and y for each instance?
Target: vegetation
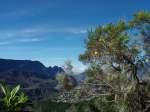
(13, 101)
(48, 106)
(66, 79)
(116, 53)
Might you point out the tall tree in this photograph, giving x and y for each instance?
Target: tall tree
(121, 49)
(120, 45)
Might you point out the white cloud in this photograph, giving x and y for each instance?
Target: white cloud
(34, 34)
(58, 58)
(30, 32)
(4, 43)
(29, 40)
(64, 48)
(72, 30)
(80, 69)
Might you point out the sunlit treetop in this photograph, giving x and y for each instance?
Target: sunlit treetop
(140, 18)
(110, 39)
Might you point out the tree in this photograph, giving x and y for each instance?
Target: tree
(121, 49)
(68, 67)
(116, 45)
(65, 79)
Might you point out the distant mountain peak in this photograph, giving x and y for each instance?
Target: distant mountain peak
(29, 66)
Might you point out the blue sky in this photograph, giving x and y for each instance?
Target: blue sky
(52, 31)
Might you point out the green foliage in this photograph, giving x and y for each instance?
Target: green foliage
(94, 72)
(48, 106)
(103, 104)
(115, 54)
(79, 107)
(66, 79)
(121, 106)
(12, 100)
(94, 105)
(106, 40)
(114, 43)
(140, 18)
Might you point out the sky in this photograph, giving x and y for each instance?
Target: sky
(53, 31)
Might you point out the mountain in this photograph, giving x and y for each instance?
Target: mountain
(54, 70)
(35, 79)
(26, 72)
(32, 67)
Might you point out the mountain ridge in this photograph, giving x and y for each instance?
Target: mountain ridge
(28, 66)
(27, 73)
